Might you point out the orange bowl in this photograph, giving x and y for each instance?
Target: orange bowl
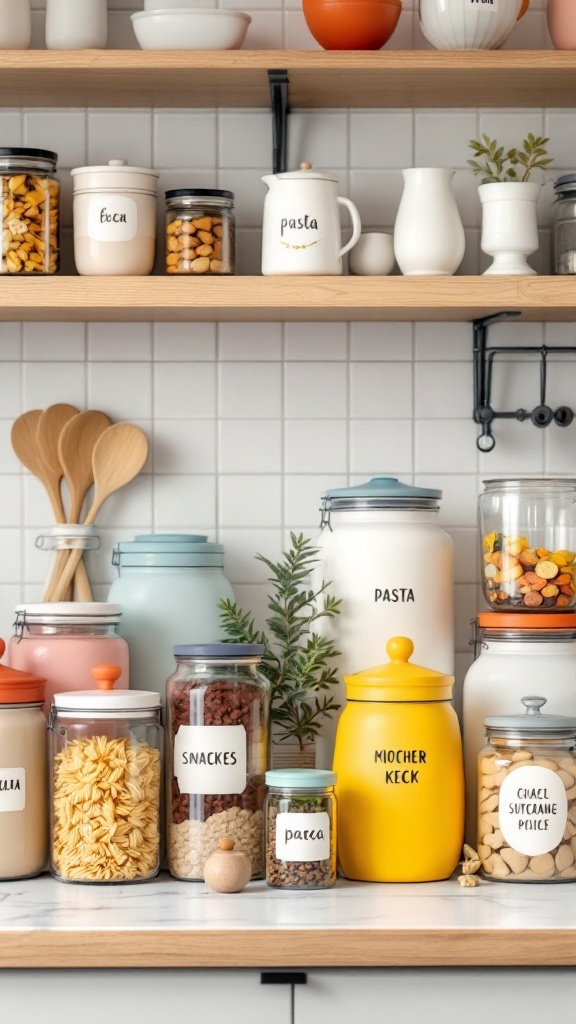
(352, 24)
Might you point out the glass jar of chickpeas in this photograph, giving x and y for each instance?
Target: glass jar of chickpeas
(200, 231)
(30, 211)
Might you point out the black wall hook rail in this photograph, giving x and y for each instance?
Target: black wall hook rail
(278, 81)
(484, 357)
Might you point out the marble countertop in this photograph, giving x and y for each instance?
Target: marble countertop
(165, 923)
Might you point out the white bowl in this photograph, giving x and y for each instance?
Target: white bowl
(190, 29)
(373, 254)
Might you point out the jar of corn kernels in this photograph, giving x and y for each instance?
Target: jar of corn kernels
(199, 231)
(30, 211)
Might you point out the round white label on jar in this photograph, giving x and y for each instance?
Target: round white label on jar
(533, 810)
(112, 218)
(302, 836)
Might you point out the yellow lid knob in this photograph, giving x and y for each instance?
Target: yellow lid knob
(400, 648)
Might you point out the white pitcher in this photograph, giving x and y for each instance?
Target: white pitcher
(76, 24)
(428, 233)
(301, 232)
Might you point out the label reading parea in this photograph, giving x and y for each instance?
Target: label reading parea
(210, 759)
(533, 810)
(12, 789)
(112, 218)
(303, 837)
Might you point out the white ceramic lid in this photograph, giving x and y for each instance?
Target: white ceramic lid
(107, 700)
(306, 173)
(114, 167)
(85, 613)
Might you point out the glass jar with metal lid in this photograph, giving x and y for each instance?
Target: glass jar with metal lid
(301, 829)
(200, 231)
(528, 530)
(106, 782)
(564, 225)
(527, 796)
(515, 654)
(30, 211)
(218, 708)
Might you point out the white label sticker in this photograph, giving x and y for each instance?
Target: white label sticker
(303, 837)
(486, 5)
(210, 759)
(112, 218)
(533, 810)
(12, 789)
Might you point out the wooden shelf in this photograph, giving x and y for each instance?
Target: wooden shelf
(261, 299)
(238, 78)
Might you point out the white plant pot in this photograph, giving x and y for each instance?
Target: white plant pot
(509, 225)
(468, 24)
(428, 233)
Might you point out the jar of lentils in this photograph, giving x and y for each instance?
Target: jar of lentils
(200, 230)
(218, 709)
(30, 211)
(300, 829)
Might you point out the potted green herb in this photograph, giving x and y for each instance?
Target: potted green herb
(509, 198)
(297, 659)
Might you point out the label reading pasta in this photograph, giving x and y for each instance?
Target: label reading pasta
(303, 837)
(533, 810)
(12, 789)
(210, 759)
(112, 218)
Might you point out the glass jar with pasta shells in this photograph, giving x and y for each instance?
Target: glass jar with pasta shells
(200, 231)
(106, 752)
(30, 211)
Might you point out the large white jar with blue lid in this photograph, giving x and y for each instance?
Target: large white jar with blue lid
(170, 587)
(393, 566)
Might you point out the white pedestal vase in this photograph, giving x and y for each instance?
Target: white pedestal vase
(509, 225)
(428, 233)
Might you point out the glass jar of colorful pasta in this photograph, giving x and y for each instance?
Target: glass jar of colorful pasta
(106, 767)
(30, 211)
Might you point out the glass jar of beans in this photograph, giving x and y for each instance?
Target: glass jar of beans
(301, 829)
(30, 211)
(218, 709)
(200, 231)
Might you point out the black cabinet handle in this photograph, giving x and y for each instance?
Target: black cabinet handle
(283, 978)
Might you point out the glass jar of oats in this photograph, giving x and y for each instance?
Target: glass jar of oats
(30, 211)
(527, 797)
(200, 230)
(106, 760)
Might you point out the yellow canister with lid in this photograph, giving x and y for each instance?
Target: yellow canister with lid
(400, 772)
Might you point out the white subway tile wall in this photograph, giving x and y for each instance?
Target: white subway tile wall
(249, 423)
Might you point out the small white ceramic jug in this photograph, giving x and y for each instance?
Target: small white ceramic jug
(301, 232)
(15, 25)
(76, 24)
(428, 233)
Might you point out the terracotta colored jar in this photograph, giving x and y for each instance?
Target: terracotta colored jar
(562, 23)
(352, 24)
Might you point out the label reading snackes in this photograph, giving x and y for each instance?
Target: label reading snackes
(112, 218)
(303, 837)
(533, 810)
(210, 759)
(12, 789)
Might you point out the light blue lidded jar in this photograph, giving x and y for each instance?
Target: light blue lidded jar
(170, 586)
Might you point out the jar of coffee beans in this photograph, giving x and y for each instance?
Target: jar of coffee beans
(218, 710)
(199, 231)
(300, 829)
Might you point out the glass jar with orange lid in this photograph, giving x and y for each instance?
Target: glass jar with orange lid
(516, 654)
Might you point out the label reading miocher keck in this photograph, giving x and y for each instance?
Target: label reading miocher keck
(303, 837)
(533, 810)
(401, 766)
(112, 218)
(12, 789)
(210, 759)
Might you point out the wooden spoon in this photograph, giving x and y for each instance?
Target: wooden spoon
(75, 448)
(50, 426)
(118, 457)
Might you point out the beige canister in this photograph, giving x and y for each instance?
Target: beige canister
(114, 219)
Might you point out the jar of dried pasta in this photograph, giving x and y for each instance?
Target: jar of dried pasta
(200, 231)
(106, 766)
(30, 211)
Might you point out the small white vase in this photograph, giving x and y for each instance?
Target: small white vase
(428, 233)
(15, 25)
(76, 24)
(509, 225)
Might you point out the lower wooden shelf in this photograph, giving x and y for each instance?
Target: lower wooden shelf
(186, 299)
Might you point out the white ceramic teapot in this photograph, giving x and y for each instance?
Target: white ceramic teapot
(301, 232)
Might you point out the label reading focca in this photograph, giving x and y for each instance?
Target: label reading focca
(533, 810)
(12, 789)
(210, 759)
(112, 218)
(303, 837)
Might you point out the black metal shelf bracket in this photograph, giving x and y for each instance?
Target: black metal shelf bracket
(484, 357)
(278, 81)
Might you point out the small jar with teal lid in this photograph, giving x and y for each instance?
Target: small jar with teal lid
(170, 586)
(301, 828)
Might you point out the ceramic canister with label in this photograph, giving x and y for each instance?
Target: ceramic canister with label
(114, 219)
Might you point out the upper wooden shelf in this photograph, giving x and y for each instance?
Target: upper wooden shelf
(242, 299)
(238, 78)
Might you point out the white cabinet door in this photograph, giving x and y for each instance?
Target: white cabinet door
(141, 997)
(437, 996)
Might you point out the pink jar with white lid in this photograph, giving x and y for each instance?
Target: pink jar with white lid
(63, 641)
